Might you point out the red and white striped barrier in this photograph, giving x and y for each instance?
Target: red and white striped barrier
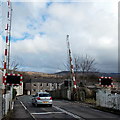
(71, 65)
(6, 52)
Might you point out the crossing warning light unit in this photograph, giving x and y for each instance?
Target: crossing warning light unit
(13, 79)
(106, 82)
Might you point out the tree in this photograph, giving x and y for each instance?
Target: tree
(84, 65)
(87, 64)
(76, 62)
(14, 65)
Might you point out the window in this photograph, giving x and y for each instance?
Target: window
(36, 94)
(41, 84)
(34, 90)
(34, 84)
(44, 95)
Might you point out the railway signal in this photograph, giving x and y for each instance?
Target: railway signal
(106, 82)
(13, 79)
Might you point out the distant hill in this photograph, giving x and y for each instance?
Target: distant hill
(27, 76)
(98, 73)
(62, 73)
(40, 74)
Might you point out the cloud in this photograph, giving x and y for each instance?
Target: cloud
(1, 48)
(39, 33)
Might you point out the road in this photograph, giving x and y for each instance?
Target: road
(65, 110)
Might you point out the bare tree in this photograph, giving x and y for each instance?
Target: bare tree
(15, 63)
(67, 65)
(87, 64)
(14, 66)
(76, 61)
(84, 64)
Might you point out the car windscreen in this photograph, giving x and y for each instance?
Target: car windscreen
(44, 95)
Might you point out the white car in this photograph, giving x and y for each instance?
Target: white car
(42, 98)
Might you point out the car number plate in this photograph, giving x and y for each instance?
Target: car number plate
(45, 102)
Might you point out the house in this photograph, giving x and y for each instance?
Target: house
(19, 89)
(42, 84)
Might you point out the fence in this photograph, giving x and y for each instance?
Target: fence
(105, 98)
(8, 102)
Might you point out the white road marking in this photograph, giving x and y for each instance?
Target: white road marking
(23, 105)
(64, 111)
(27, 110)
(43, 113)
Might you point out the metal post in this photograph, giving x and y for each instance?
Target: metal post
(6, 54)
(10, 19)
(11, 96)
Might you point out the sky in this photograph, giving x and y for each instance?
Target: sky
(39, 30)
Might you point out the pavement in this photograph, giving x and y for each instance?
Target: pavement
(19, 112)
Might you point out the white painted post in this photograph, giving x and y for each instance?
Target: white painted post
(1, 94)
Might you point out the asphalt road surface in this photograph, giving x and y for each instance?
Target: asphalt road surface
(65, 110)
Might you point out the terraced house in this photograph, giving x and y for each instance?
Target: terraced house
(42, 84)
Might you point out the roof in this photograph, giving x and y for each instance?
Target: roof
(42, 92)
(45, 80)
